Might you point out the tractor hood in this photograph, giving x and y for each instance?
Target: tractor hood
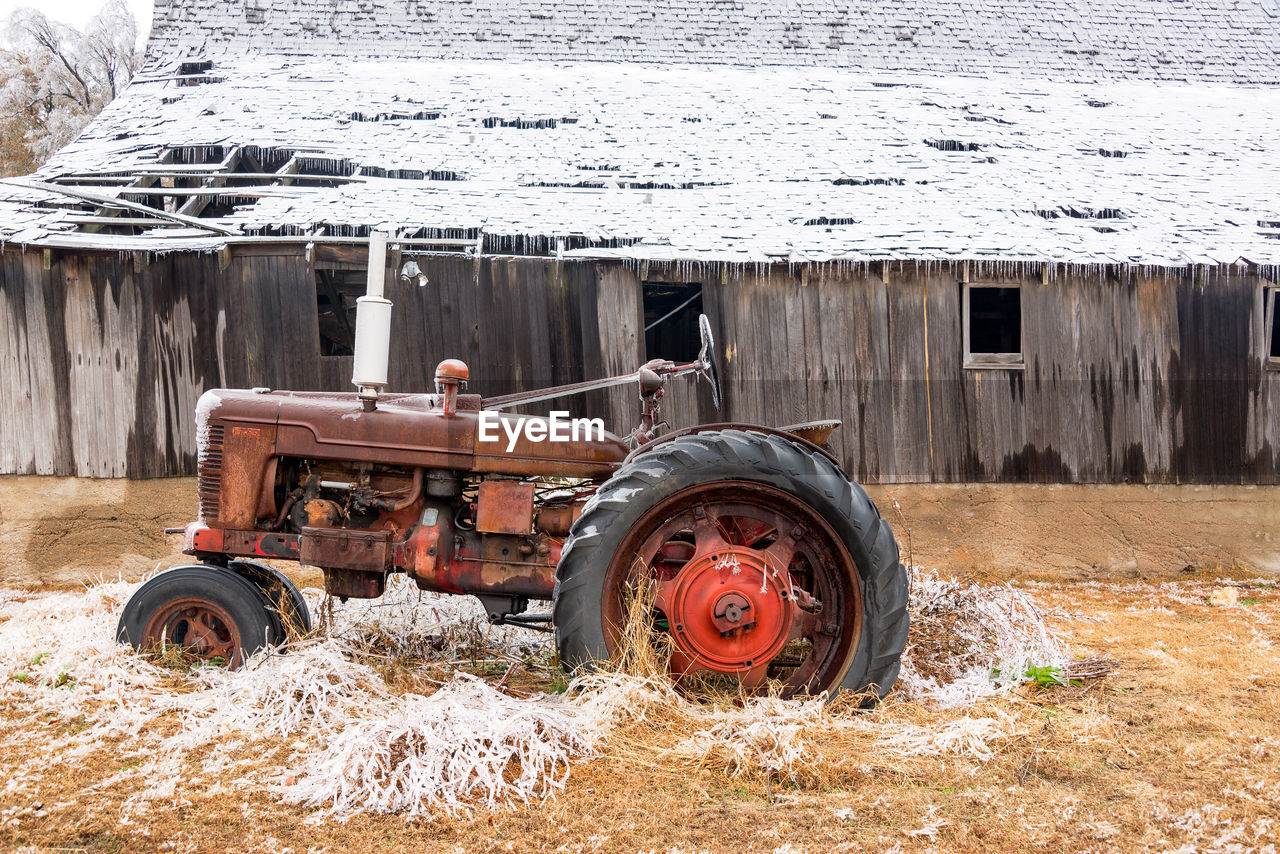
(409, 430)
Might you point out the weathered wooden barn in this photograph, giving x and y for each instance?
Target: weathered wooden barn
(1002, 241)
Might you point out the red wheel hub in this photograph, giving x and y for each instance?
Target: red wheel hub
(728, 610)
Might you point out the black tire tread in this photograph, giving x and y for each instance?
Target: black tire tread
(654, 476)
(271, 582)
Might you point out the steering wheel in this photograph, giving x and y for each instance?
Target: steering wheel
(707, 356)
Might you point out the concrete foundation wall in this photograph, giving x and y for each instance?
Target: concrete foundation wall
(67, 530)
(58, 531)
(1085, 531)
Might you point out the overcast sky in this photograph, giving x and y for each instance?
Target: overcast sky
(78, 12)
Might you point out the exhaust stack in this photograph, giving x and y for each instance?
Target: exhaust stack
(373, 328)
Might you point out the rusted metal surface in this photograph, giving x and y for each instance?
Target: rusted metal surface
(500, 564)
(451, 378)
(415, 492)
(556, 520)
(649, 376)
(201, 629)
(345, 548)
(405, 430)
(504, 507)
(452, 371)
(238, 470)
(321, 512)
(527, 457)
(426, 551)
(441, 557)
(209, 473)
(355, 583)
(814, 432)
(651, 394)
(204, 540)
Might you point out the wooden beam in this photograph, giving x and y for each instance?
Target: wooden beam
(261, 176)
(94, 219)
(156, 243)
(202, 76)
(138, 181)
(97, 179)
(251, 160)
(197, 203)
(257, 191)
(110, 202)
(162, 167)
(289, 168)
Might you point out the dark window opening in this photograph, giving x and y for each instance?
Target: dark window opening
(1273, 328)
(336, 293)
(671, 320)
(994, 322)
(194, 73)
(1274, 351)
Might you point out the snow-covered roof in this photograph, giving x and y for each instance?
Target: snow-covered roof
(1233, 41)
(400, 116)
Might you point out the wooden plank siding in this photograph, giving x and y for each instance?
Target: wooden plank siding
(1129, 376)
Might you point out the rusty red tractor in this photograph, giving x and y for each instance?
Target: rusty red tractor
(763, 559)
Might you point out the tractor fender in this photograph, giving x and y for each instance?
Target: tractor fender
(733, 425)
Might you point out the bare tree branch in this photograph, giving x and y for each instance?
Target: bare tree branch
(54, 79)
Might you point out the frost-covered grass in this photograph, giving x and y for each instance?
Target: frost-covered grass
(970, 641)
(412, 707)
(439, 739)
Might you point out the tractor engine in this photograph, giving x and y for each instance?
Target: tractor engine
(452, 533)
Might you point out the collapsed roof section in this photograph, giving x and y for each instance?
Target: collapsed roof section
(269, 124)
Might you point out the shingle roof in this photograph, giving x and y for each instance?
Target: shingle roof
(1207, 40)
(667, 160)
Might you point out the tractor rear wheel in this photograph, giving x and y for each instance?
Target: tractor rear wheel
(764, 561)
(203, 613)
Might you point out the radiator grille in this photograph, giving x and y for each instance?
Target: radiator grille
(209, 473)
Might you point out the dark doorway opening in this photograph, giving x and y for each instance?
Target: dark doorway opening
(671, 312)
(336, 293)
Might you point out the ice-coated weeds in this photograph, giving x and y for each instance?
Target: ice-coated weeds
(408, 704)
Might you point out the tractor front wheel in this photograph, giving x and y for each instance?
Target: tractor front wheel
(763, 561)
(200, 613)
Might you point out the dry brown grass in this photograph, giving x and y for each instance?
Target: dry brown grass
(643, 652)
(1180, 748)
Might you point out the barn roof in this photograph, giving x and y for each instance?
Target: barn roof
(1127, 132)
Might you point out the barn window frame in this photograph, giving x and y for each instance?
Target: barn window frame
(1270, 356)
(1014, 361)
